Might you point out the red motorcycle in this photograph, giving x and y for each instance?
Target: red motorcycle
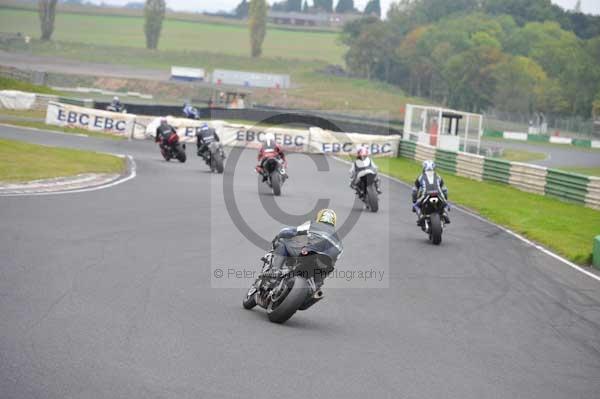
(172, 148)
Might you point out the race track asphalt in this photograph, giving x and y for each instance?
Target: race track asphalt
(557, 156)
(109, 294)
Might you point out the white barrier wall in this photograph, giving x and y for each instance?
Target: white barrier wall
(14, 99)
(312, 140)
(90, 119)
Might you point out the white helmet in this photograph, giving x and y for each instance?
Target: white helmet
(428, 165)
(116, 99)
(269, 138)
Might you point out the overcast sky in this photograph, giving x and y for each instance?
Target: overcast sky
(588, 6)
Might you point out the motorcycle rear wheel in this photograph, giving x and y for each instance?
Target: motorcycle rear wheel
(372, 198)
(276, 182)
(435, 229)
(181, 157)
(293, 299)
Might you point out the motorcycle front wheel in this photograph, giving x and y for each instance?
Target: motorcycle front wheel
(372, 198)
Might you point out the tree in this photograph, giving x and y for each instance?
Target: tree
(294, 5)
(324, 5)
(257, 22)
(520, 83)
(344, 6)
(578, 6)
(373, 8)
(154, 13)
(305, 7)
(47, 13)
(241, 11)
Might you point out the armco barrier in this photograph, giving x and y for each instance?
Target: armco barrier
(470, 166)
(531, 178)
(526, 177)
(496, 170)
(407, 149)
(592, 199)
(566, 186)
(446, 160)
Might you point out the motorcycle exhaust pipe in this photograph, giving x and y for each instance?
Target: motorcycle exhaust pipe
(318, 295)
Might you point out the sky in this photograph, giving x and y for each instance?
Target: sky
(587, 6)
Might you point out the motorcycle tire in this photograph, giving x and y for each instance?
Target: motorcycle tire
(435, 229)
(276, 183)
(249, 302)
(372, 198)
(181, 157)
(219, 163)
(165, 154)
(295, 297)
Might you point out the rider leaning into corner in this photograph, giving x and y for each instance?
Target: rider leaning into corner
(163, 131)
(269, 149)
(421, 183)
(291, 240)
(363, 162)
(205, 136)
(189, 111)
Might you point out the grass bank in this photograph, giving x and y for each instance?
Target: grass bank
(232, 39)
(60, 129)
(13, 84)
(567, 229)
(584, 171)
(21, 162)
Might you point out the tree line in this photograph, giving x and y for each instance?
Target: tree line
(373, 7)
(511, 55)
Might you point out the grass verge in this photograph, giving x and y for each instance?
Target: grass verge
(13, 84)
(69, 130)
(569, 231)
(21, 162)
(511, 154)
(584, 171)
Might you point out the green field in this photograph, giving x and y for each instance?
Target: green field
(21, 162)
(570, 231)
(584, 171)
(229, 39)
(515, 155)
(299, 53)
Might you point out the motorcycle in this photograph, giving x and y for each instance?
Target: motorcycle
(297, 286)
(276, 174)
(120, 109)
(191, 113)
(172, 148)
(215, 157)
(432, 204)
(366, 189)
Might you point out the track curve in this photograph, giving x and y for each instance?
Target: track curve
(108, 294)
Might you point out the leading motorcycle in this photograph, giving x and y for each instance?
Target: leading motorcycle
(297, 286)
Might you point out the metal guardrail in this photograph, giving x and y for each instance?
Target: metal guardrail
(554, 183)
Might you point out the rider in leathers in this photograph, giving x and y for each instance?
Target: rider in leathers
(361, 163)
(205, 136)
(284, 241)
(163, 131)
(269, 149)
(420, 184)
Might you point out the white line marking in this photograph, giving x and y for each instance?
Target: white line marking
(132, 174)
(506, 230)
(37, 129)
